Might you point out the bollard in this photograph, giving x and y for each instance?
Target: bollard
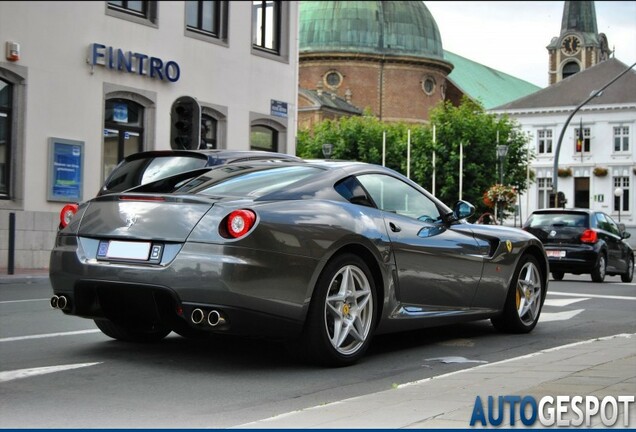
(11, 252)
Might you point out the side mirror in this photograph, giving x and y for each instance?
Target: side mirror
(463, 210)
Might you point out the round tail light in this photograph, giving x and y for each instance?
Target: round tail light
(68, 211)
(239, 222)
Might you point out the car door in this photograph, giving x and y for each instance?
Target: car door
(438, 268)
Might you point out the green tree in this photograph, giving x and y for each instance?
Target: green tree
(360, 138)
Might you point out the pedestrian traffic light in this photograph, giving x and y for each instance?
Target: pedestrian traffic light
(185, 120)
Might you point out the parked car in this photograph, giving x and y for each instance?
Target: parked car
(145, 167)
(324, 254)
(583, 241)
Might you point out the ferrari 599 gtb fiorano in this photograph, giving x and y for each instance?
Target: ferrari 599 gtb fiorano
(323, 254)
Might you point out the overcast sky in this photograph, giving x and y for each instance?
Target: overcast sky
(512, 36)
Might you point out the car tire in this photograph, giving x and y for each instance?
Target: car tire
(557, 275)
(524, 301)
(600, 268)
(148, 333)
(342, 313)
(628, 276)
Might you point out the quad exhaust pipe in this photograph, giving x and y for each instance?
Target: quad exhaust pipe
(214, 317)
(59, 302)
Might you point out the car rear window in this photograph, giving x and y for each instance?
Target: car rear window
(240, 181)
(558, 219)
(141, 171)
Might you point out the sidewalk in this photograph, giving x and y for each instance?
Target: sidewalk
(600, 367)
(20, 275)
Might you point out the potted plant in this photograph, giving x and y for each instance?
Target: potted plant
(600, 171)
(564, 172)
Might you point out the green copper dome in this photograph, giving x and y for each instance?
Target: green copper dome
(400, 28)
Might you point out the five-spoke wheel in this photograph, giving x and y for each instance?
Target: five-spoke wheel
(525, 298)
(342, 312)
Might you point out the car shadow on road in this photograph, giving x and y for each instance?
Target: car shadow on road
(223, 352)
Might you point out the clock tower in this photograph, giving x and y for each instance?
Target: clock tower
(580, 45)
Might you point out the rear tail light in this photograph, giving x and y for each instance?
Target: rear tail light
(239, 222)
(68, 211)
(589, 236)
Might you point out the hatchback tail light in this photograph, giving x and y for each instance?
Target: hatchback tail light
(68, 211)
(239, 222)
(589, 236)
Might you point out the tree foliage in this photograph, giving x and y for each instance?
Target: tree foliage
(360, 138)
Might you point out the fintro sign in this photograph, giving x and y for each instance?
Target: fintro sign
(133, 62)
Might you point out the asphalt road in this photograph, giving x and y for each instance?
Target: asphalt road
(61, 372)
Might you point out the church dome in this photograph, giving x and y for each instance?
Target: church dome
(393, 28)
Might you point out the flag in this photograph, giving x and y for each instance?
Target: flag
(579, 141)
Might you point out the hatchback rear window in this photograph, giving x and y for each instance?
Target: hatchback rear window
(249, 181)
(558, 219)
(141, 171)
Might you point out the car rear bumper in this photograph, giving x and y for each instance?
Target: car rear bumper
(256, 292)
(576, 260)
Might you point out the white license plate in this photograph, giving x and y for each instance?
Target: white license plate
(128, 250)
(555, 253)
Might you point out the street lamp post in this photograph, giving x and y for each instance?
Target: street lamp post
(555, 168)
(618, 193)
(502, 151)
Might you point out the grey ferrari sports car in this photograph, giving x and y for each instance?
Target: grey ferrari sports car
(322, 254)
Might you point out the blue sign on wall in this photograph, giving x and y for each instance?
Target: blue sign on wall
(66, 160)
(278, 108)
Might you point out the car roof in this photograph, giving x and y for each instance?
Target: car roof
(215, 156)
(565, 210)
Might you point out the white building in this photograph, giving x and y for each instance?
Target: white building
(591, 172)
(83, 84)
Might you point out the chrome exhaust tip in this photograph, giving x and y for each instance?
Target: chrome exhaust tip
(215, 318)
(197, 316)
(54, 301)
(62, 302)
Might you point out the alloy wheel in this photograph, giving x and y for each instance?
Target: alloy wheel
(528, 293)
(348, 310)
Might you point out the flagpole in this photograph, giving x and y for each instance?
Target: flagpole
(433, 188)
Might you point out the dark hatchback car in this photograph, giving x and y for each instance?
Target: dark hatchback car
(149, 166)
(583, 241)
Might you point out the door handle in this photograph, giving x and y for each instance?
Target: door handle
(394, 227)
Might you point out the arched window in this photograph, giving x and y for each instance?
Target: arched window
(263, 138)
(123, 131)
(5, 136)
(570, 69)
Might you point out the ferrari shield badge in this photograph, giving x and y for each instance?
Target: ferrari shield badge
(509, 246)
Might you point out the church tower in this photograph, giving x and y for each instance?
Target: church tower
(579, 46)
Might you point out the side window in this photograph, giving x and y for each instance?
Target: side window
(611, 225)
(602, 223)
(351, 190)
(141, 12)
(395, 196)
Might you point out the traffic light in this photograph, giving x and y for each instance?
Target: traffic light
(185, 121)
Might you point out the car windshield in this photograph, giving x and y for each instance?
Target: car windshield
(141, 171)
(247, 180)
(558, 219)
